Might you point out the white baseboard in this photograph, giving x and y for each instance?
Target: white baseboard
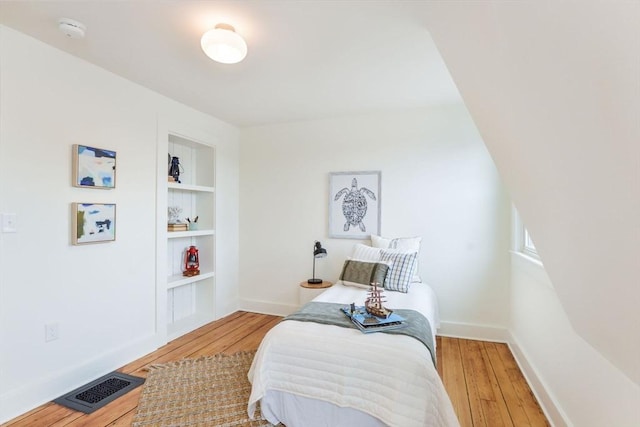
(29, 396)
(473, 332)
(549, 406)
(265, 307)
(227, 309)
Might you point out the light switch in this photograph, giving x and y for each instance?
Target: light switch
(9, 223)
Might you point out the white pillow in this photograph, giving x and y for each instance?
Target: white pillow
(400, 244)
(365, 253)
(408, 244)
(379, 242)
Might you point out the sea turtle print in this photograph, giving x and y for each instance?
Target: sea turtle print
(354, 205)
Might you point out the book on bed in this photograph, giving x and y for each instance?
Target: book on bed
(368, 323)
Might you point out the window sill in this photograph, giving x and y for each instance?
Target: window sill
(530, 266)
(528, 258)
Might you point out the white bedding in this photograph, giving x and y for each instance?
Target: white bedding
(304, 369)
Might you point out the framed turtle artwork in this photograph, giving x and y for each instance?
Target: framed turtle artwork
(354, 204)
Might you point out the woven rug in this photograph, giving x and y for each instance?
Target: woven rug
(211, 391)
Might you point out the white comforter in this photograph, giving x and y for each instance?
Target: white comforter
(389, 377)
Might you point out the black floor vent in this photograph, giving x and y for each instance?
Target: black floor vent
(99, 392)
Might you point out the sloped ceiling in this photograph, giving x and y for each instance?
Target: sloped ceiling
(554, 88)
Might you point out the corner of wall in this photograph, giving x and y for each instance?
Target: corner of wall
(473, 332)
(548, 403)
(265, 307)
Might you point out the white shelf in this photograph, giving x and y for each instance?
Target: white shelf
(187, 302)
(188, 187)
(194, 233)
(178, 280)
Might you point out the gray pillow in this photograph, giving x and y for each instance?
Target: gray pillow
(362, 273)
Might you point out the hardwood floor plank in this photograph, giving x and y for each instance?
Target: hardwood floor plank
(454, 380)
(529, 402)
(482, 379)
(124, 421)
(475, 375)
(492, 413)
(439, 355)
(48, 415)
(254, 339)
(228, 339)
(511, 399)
(498, 404)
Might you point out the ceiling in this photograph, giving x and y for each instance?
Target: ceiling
(306, 60)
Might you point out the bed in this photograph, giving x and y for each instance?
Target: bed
(308, 374)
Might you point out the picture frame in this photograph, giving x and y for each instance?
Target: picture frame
(93, 223)
(94, 167)
(354, 204)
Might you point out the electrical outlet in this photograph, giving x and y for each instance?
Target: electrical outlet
(51, 332)
(9, 223)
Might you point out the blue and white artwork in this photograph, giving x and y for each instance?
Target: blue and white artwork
(94, 223)
(94, 167)
(354, 204)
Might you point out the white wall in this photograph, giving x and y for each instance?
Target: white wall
(102, 296)
(438, 182)
(559, 363)
(554, 90)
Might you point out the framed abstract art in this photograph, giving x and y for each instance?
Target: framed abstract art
(93, 167)
(93, 223)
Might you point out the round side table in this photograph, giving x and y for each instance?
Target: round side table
(309, 291)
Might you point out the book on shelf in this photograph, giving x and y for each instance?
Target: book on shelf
(369, 323)
(177, 227)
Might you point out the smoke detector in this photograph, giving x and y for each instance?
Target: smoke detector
(72, 29)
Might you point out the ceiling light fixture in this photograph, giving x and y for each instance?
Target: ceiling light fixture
(223, 44)
(71, 28)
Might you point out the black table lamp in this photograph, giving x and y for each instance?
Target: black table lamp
(318, 252)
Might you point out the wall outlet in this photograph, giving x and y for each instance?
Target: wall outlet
(9, 223)
(51, 332)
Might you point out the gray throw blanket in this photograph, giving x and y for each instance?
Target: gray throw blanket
(329, 313)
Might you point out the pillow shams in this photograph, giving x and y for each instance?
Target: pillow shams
(362, 273)
(401, 274)
(366, 253)
(408, 244)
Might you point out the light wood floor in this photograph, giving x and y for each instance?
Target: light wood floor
(483, 380)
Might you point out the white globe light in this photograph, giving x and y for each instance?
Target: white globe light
(223, 44)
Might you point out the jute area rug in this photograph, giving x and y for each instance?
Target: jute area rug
(211, 391)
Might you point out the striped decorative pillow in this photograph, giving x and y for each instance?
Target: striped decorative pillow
(400, 275)
(364, 252)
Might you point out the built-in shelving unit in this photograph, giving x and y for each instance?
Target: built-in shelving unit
(190, 301)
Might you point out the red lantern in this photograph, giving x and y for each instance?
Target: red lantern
(191, 262)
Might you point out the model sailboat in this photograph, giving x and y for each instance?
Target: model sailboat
(373, 303)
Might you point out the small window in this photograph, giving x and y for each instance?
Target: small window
(528, 247)
(522, 241)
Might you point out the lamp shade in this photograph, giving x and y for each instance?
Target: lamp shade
(224, 45)
(319, 251)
